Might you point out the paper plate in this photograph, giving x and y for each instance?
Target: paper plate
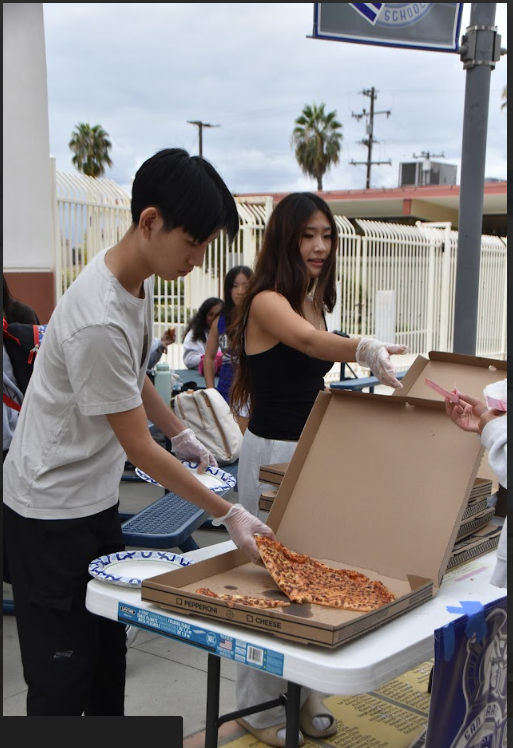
(129, 568)
(214, 478)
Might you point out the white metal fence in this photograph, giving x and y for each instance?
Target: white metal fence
(394, 281)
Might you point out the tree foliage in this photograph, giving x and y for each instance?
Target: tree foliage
(317, 139)
(91, 146)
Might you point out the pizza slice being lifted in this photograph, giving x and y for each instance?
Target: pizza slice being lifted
(305, 580)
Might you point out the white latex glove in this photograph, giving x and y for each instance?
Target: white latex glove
(243, 526)
(376, 355)
(186, 446)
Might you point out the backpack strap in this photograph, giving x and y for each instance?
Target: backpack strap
(11, 403)
(34, 350)
(7, 334)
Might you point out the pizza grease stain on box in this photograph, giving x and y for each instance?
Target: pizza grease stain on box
(390, 477)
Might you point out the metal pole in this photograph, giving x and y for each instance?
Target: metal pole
(480, 50)
(370, 133)
(200, 131)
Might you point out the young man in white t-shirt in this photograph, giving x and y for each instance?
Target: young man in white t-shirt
(85, 412)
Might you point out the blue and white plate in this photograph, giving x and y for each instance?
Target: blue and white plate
(129, 568)
(214, 478)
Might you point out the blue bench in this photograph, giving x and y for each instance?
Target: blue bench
(168, 522)
(190, 375)
(361, 383)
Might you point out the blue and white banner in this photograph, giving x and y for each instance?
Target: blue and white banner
(469, 693)
(370, 11)
(432, 26)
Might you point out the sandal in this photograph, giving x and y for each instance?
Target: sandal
(269, 735)
(313, 707)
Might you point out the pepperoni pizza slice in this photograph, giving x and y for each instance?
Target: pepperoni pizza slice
(305, 580)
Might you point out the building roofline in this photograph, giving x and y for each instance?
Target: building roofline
(406, 192)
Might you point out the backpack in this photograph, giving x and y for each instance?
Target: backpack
(208, 414)
(22, 343)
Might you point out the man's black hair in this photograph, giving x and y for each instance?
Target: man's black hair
(188, 193)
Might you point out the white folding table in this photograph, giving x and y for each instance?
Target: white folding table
(357, 667)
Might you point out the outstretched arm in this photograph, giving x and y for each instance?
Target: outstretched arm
(131, 429)
(273, 320)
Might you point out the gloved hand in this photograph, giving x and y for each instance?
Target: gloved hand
(186, 446)
(243, 526)
(376, 355)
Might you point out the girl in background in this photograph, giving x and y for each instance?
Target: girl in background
(197, 331)
(235, 285)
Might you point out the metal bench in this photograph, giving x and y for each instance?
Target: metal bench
(361, 383)
(169, 521)
(192, 376)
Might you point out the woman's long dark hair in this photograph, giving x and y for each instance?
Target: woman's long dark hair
(279, 267)
(198, 323)
(7, 302)
(229, 281)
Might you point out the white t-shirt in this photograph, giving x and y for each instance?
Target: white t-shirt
(193, 350)
(65, 461)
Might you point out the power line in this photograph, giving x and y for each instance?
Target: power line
(200, 126)
(372, 93)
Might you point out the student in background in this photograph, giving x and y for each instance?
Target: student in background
(278, 336)
(159, 346)
(235, 285)
(197, 331)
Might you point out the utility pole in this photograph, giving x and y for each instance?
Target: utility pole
(426, 166)
(480, 51)
(200, 126)
(372, 93)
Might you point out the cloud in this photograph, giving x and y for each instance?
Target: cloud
(142, 71)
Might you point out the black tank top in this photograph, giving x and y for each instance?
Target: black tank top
(284, 385)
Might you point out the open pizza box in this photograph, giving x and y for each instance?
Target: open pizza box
(377, 484)
(468, 374)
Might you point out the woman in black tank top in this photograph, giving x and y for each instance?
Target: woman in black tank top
(279, 337)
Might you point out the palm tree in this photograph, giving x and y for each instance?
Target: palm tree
(91, 146)
(317, 140)
(504, 104)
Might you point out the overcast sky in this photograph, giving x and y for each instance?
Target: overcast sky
(141, 71)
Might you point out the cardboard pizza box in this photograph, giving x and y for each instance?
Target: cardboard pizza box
(482, 490)
(471, 524)
(482, 541)
(377, 484)
(477, 501)
(469, 374)
(273, 473)
(267, 500)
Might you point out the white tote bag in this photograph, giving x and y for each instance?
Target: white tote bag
(208, 414)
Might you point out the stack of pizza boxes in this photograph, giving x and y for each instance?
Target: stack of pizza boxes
(377, 485)
(476, 536)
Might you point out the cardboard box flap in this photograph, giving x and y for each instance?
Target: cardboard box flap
(378, 482)
(469, 374)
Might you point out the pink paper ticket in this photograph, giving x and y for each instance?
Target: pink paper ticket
(453, 397)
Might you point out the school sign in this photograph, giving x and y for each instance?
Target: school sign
(431, 26)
